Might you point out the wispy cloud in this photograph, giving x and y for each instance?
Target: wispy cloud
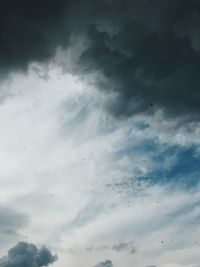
(97, 182)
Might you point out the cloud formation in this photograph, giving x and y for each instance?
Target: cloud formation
(10, 224)
(27, 255)
(149, 54)
(30, 31)
(145, 51)
(106, 263)
(85, 157)
(125, 246)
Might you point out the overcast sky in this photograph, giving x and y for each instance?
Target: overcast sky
(100, 133)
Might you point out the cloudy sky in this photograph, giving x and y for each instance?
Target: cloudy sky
(100, 133)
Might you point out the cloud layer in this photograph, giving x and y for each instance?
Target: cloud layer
(90, 181)
(11, 222)
(30, 31)
(145, 51)
(126, 189)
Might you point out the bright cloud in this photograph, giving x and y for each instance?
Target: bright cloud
(90, 186)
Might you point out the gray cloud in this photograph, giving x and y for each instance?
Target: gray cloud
(93, 248)
(27, 255)
(125, 246)
(128, 246)
(10, 223)
(147, 51)
(106, 263)
(85, 215)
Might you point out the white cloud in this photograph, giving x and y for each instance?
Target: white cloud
(64, 162)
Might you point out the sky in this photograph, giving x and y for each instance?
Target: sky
(99, 133)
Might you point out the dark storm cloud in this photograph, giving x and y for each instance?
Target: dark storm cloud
(27, 255)
(151, 58)
(30, 31)
(147, 51)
